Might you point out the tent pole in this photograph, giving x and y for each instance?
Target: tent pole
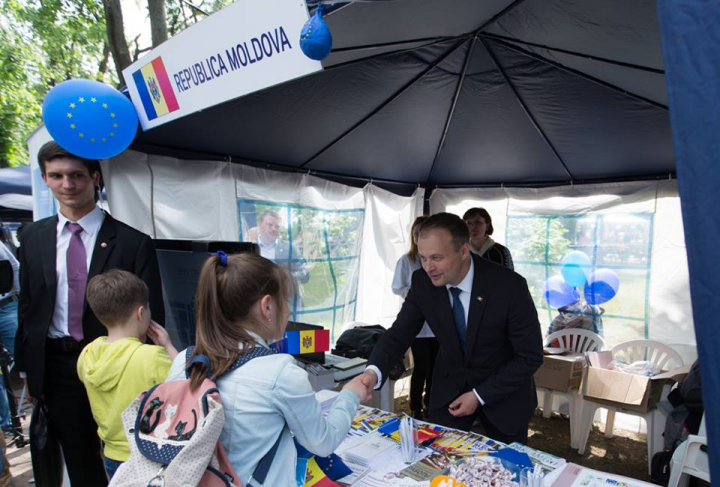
(526, 109)
(393, 97)
(451, 112)
(577, 73)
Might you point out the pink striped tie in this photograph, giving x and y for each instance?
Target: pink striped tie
(76, 263)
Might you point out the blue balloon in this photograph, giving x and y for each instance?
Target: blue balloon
(315, 37)
(90, 119)
(602, 286)
(559, 293)
(576, 268)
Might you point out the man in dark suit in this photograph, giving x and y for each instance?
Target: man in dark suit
(486, 324)
(279, 251)
(58, 256)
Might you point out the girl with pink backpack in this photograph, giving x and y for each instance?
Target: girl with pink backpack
(241, 308)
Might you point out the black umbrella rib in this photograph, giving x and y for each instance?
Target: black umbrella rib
(575, 72)
(393, 53)
(451, 112)
(638, 67)
(525, 108)
(498, 16)
(394, 43)
(393, 97)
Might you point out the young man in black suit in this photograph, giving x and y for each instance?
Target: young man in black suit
(58, 256)
(486, 324)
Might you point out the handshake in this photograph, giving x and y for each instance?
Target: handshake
(362, 385)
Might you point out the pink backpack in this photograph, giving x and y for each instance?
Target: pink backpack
(173, 433)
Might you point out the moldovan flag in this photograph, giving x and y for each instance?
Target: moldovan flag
(315, 476)
(308, 341)
(155, 90)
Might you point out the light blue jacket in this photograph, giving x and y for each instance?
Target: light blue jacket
(267, 397)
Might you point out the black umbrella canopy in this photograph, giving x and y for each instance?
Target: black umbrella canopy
(460, 92)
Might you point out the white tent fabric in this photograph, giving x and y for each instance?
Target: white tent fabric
(669, 313)
(179, 199)
(197, 200)
(17, 201)
(388, 219)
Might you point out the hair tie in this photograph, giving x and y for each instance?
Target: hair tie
(223, 257)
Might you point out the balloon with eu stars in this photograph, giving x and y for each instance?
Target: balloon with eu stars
(315, 37)
(90, 119)
(559, 293)
(602, 286)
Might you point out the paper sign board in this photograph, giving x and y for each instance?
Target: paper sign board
(246, 47)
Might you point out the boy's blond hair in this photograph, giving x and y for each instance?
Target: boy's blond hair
(114, 296)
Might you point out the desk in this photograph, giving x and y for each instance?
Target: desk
(387, 468)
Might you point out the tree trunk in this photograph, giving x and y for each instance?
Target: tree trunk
(116, 36)
(102, 68)
(158, 21)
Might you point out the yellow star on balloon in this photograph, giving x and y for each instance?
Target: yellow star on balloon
(72, 125)
(112, 115)
(104, 105)
(93, 99)
(81, 99)
(69, 115)
(72, 105)
(81, 134)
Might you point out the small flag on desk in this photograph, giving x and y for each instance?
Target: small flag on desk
(307, 341)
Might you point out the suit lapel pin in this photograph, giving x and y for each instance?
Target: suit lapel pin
(480, 298)
(103, 245)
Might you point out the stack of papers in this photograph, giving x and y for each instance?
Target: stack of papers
(367, 448)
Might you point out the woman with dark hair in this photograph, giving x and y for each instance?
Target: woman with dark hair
(480, 224)
(425, 346)
(241, 307)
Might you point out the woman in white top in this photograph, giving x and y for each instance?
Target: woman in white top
(242, 303)
(425, 347)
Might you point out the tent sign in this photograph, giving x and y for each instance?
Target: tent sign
(243, 48)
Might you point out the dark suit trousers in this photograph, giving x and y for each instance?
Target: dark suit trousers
(71, 419)
(443, 417)
(424, 351)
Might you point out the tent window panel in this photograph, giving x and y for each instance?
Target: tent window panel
(320, 248)
(622, 243)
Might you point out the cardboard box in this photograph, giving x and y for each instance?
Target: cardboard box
(633, 392)
(560, 372)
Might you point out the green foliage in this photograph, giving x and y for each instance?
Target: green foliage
(537, 239)
(43, 43)
(180, 15)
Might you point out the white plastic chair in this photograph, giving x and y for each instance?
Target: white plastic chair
(660, 356)
(579, 341)
(690, 459)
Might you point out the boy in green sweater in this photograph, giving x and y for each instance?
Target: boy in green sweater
(116, 368)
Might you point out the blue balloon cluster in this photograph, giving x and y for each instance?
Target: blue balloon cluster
(601, 285)
(315, 37)
(90, 119)
(559, 293)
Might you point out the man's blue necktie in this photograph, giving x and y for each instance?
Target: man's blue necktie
(459, 314)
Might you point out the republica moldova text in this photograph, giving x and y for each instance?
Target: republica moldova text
(239, 56)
